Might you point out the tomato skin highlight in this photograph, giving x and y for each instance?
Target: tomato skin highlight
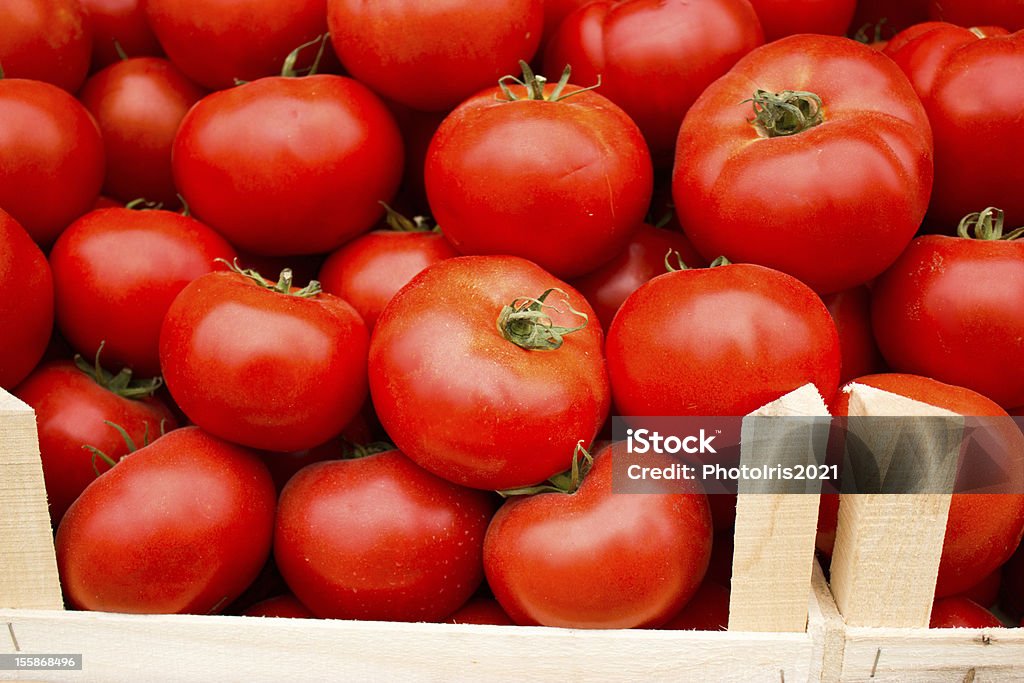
(26, 302)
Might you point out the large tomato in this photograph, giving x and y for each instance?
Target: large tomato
(380, 538)
(26, 302)
(952, 308)
(139, 104)
(593, 559)
(116, 272)
(478, 382)
(653, 58)
(45, 40)
(781, 18)
(430, 55)
(262, 364)
(1008, 14)
(972, 86)
(182, 525)
(73, 406)
(825, 177)
(51, 157)
(119, 22)
(286, 166)
(568, 201)
(719, 341)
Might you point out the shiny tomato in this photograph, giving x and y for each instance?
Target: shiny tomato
(825, 177)
(480, 611)
(851, 311)
(1008, 14)
(959, 612)
(568, 201)
(139, 104)
(73, 406)
(281, 607)
(466, 343)
(431, 56)
(116, 272)
(380, 538)
(780, 18)
(26, 302)
(262, 364)
(51, 157)
(708, 610)
(123, 22)
(284, 166)
(653, 58)
(719, 341)
(952, 308)
(182, 525)
(45, 40)
(640, 557)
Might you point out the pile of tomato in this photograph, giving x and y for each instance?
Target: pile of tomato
(295, 288)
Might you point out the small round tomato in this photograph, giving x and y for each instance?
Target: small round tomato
(77, 409)
(380, 538)
(116, 272)
(1008, 14)
(26, 302)
(181, 526)
(957, 612)
(45, 40)
(569, 201)
(780, 18)
(51, 157)
(593, 559)
(480, 611)
(284, 166)
(262, 364)
(139, 104)
(484, 374)
(281, 606)
(707, 610)
(719, 341)
(851, 311)
(119, 22)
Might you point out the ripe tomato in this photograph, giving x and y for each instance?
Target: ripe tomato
(380, 538)
(568, 201)
(1008, 14)
(116, 272)
(264, 365)
(952, 308)
(653, 58)
(26, 302)
(471, 378)
(281, 606)
(123, 21)
(851, 312)
(831, 195)
(72, 407)
(976, 162)
(640, 557)
(983, 529)
(780, 18)
(180, 526)
(719, 341)
(45, 40)
(51, 157)
(708, 610)
(139, 104)
(480, 611)
(431, 56)
(216, 42)
(284, 166)
(959, 612)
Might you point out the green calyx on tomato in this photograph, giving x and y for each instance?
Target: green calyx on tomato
(534, 84)
(681, 265)
(288, 69)
(785, 113)
(283, 284)
(122, 383)
(525, 324)
(564, 482)
(986, 225)
(355, 451)
(400, 223)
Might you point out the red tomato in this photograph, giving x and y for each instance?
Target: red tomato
(1008, 14)
(555, 11)
(369, 270)
(643, 258)
(72, 407)
(139, 104)
(983, 529)
(123, 22)
(959, 612)
(380, 538)
(116, 272)
(284, 166)
(708, 610)
(217, 42)
(431, 56)
(780, 18)
(51, 157)
(480, 611)
(976, 160)
(653, 58)
(45, 40)
(832, 203)
(459, 395)
(851, 312)
(281, 606)
(181, 526)
(641, 557)
(26, 302)
(719, 341)
(952, 308)
(264, 365)
(569, 201)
